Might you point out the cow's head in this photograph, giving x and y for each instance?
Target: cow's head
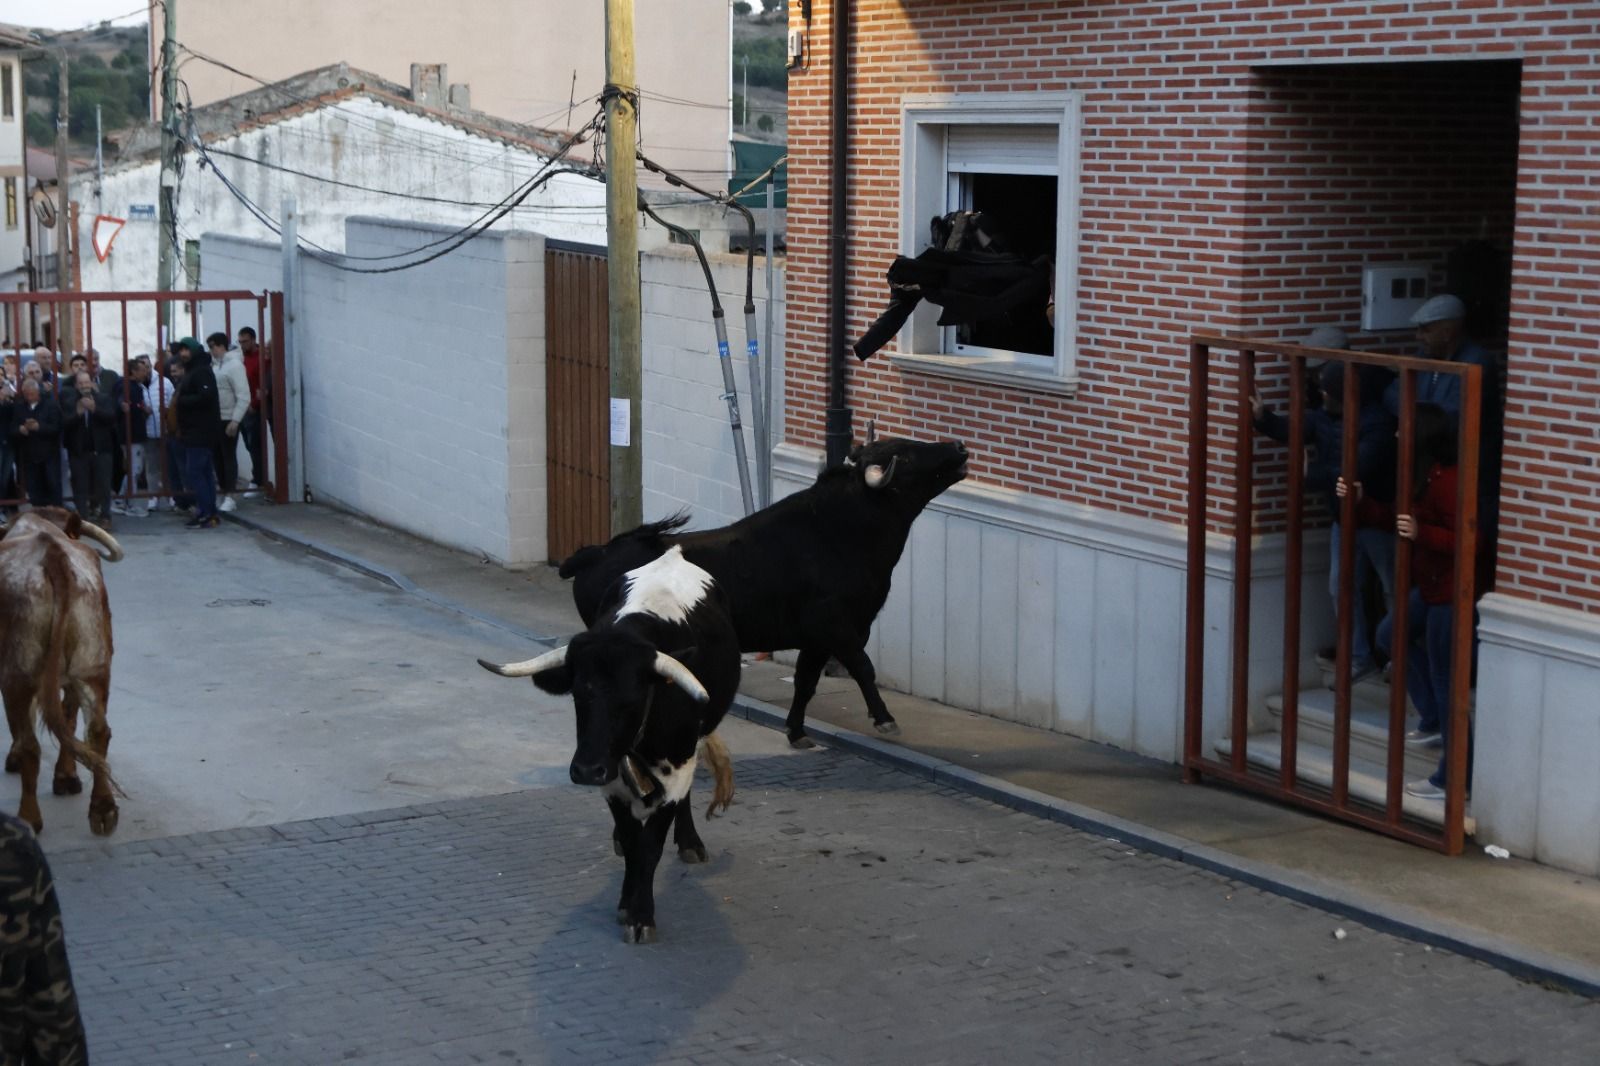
(614, 677)
(73, 526)
(908, 473)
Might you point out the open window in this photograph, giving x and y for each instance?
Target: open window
(1012, 156)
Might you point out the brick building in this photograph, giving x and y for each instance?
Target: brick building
(1209, 166)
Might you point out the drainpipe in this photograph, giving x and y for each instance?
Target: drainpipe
(838, 418)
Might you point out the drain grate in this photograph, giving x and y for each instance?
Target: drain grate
(239, 603)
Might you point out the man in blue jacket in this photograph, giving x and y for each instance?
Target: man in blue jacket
(1375, 459)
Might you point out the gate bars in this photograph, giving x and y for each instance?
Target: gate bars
(19, 310)
(1285, 785)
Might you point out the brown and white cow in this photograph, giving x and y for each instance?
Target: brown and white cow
(55, 654)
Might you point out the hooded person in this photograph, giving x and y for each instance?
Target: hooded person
(199, 425)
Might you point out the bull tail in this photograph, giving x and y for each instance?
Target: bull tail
(51, 711)
(716, 756)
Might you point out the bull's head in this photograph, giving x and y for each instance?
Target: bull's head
(909, 472)
(613, 677)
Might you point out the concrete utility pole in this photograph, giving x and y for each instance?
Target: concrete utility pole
(167, 196)
(61, 314)
(622, 267)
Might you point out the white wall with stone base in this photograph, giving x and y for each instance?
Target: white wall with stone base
(1536, 767)
(1071, 618)
(424, 389)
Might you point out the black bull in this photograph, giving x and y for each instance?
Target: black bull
(810, 572)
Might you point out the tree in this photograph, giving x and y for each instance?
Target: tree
(742, 8)
(765, 124)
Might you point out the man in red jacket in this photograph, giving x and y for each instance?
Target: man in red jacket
(250, 428)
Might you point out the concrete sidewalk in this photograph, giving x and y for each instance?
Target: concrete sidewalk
(1531, 919)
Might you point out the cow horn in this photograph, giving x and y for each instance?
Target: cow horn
(528, 667)
(878, 477)
(679, 675)
(113, 553)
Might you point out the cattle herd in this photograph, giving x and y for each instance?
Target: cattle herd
(667, 613)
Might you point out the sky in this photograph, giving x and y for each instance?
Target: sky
(69, 14)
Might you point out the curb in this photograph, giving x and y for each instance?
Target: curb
(1398, 919)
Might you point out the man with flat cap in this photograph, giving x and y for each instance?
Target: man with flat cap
(1442, 333)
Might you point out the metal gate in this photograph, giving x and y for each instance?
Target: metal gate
(1209, 461)
(140, 320)
(577, 382)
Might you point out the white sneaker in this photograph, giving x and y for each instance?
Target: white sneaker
(1425, 789)
(118, 507)
(227, 504)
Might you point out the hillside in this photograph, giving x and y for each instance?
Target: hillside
(107, 67)
(758, 47)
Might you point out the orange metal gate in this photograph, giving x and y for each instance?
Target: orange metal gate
(577, 380)
(1209, 459)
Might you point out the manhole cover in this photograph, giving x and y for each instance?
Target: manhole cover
(239, 603)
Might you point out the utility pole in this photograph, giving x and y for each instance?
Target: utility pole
(166, 245)
(746, 96)
(61, 314)
(622, 267)
(99, 157)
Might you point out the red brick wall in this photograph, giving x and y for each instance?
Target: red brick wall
(1224, 190)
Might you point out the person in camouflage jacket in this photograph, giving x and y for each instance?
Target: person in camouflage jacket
(39, 1021)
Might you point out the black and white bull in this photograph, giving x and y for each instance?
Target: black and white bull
(811, 572)
(650, 680)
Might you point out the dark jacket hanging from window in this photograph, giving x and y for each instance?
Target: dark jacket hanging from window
(967, 272)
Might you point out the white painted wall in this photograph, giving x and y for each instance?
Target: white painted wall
(364, 143)
(424, 389)
(1536, 772)
(688, 447)
(13, 237)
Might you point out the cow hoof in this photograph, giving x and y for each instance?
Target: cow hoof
(693, 855)
(67, 786)
(102, 818)
(891, 728)
(13, 762)
(638, 934)
(802, 743)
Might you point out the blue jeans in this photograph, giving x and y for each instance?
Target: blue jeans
(1428, 655)
(199, 472)
(1374, 552)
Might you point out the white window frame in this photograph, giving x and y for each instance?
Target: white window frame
(927, 190)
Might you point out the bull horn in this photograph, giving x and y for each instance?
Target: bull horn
(878, 477)
(528, 667)
(113, 553)
(679, 675)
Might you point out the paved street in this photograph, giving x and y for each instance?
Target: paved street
(461, 910)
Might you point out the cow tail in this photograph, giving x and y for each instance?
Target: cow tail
(49, 698)
(716, 756)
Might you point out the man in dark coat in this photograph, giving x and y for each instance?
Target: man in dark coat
(199, 423)
(36, 435)
(89, 432)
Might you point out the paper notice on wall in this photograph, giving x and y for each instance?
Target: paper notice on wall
(621, 422)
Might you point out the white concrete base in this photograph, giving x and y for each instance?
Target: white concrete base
(1072, 618)
(1536, 776)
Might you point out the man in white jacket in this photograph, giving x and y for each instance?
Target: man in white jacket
(233, 398)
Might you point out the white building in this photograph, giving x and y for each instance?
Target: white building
(13, 159)
(343, 143)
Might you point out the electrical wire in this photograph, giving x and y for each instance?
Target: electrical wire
(450, 242)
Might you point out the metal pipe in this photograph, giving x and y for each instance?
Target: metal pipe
(1293, 549)
(718, 319)
(1194, 637)
(1345, 609)
(837, 430)
(764, 446)
(1400, 623)
(1243, 522)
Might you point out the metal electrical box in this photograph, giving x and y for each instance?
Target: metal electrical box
(1390, 294)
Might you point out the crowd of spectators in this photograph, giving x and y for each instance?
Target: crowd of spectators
(166, 436)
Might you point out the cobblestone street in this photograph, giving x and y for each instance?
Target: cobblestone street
(850, 913)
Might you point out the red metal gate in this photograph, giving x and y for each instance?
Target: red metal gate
(1233, 411)
(137, 319)
(578, 384)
